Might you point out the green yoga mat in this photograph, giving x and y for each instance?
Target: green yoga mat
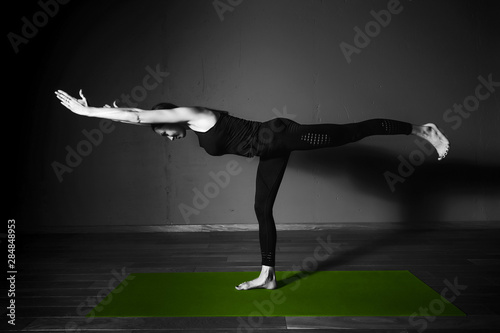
(323, 293)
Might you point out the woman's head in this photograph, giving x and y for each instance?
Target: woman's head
(172, 131)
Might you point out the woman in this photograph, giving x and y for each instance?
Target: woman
(220, 133)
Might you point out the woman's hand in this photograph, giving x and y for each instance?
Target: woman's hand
(78, 106)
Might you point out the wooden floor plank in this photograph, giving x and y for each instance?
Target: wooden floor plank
(450, 323)
(53, 324)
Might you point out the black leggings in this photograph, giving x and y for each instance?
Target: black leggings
(279, 137)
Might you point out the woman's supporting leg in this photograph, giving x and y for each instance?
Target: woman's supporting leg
(269, 175)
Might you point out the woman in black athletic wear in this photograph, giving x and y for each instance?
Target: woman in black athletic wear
(220, 133)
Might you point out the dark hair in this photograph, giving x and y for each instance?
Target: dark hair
(164, 106)
(159, 106)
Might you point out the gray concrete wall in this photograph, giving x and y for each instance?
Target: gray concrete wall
(259, 60)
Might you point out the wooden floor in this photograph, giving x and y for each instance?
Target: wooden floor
(60, 275)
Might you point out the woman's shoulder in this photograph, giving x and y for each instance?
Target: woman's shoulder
(205, 119)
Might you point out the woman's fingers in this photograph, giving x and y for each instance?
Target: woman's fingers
(62, 93)
(63, 96)
(109, 106)
(83, 101)
(67, 101)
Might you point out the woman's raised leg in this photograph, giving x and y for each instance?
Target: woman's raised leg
(295, 136)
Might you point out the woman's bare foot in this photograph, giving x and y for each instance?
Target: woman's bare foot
(266, 280)
(431, 133)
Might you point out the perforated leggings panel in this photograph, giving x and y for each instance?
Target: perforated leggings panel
(289, 136)
(305, 137)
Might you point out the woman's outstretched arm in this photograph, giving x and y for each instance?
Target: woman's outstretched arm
(127, 115)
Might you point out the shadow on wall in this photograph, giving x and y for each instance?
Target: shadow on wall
(421, 198)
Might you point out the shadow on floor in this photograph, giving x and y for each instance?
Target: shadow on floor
(423, 195)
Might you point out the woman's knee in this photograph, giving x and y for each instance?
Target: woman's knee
(262, 210)
(258, 208)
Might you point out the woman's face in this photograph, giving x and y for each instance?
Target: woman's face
(171, 131)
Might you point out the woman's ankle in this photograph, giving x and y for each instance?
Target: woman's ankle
(417, 130)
